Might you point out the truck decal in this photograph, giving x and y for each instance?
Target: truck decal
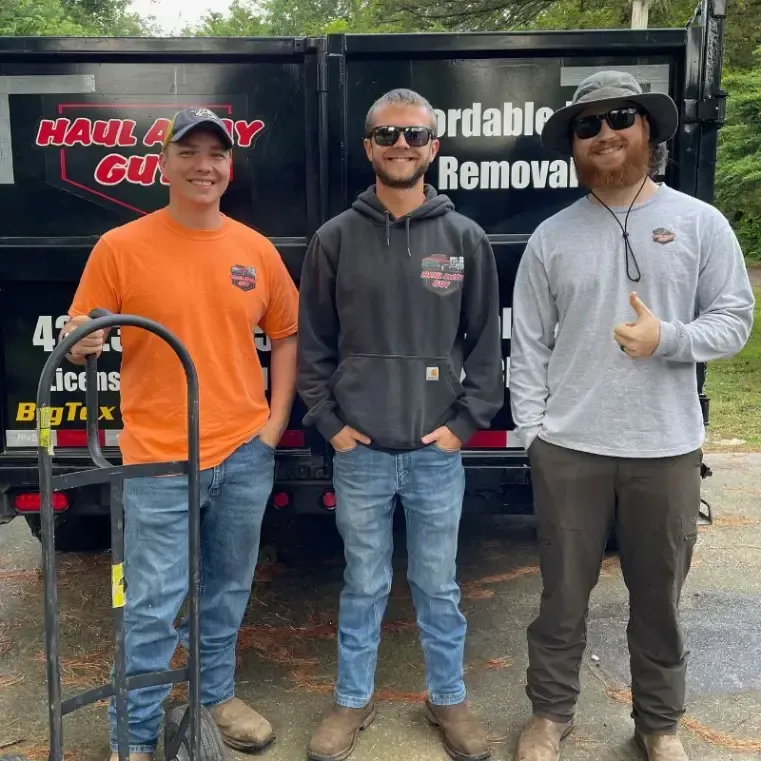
(484, 121)
(86, 134)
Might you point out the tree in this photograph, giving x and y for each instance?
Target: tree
(607, 14)
(107, 17)
(244, 19)
(466, 15)
(301, 17)
(742, 30)
(41, 18)
(37, 18)
(738, 172)
(330, 16)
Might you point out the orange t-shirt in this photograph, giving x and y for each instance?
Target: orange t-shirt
(211, 289)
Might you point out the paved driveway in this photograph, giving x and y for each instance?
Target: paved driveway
(287, 649)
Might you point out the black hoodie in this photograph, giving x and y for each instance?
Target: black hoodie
(390, 313)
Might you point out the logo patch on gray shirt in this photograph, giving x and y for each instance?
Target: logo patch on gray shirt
(663, 235)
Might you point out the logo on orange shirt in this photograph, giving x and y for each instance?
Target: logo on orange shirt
(243, 277)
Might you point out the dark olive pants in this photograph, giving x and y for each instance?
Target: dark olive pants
(653, 503)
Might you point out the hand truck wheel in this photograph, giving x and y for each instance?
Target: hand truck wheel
(190, 732)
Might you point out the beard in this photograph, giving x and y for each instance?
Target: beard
(635, 166)
(403, 182)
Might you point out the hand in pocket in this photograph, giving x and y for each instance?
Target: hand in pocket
(347, 438)
(443, 438)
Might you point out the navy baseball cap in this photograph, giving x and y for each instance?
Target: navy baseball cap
(189, 118)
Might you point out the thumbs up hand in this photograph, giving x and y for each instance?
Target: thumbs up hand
(639, 339)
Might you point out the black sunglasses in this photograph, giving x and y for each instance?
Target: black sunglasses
(416, 137)
(586, 127)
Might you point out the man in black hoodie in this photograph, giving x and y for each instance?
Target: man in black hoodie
(399, 364)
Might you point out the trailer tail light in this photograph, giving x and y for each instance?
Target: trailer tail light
(76, 438)
(30, 502)
(328, 500)
(292, 439)
(281, 500)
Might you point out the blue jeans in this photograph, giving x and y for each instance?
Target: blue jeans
(233, 500)
(431, 484)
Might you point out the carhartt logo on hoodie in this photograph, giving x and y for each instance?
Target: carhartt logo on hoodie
(442, 273)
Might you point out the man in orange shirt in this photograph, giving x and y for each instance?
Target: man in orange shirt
(211, 281)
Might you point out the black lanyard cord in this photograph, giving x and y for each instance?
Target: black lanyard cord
(629, 251)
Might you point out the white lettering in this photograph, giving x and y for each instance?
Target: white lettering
(471, 121)
(503, 175)
(262, 340)
(521, 174)
(77, 381)
(469, 175)
(46, 332)
(508, 121)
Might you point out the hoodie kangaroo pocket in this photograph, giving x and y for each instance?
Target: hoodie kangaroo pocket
(396, 400)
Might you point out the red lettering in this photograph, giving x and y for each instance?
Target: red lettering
(247, 131)
(126, 133)
(157, 132)
(138, 170)
(111, 169)
(52, 132)
(141, 170)
(106, 133)
(79, 132)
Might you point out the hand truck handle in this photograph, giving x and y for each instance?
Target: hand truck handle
(91, 401)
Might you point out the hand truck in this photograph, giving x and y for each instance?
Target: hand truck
(203, 742)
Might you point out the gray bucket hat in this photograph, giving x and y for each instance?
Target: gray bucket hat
(611, 87)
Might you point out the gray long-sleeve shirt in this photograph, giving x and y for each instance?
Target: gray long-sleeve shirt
(569, 381)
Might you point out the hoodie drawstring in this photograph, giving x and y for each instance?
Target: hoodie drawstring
(408, 221)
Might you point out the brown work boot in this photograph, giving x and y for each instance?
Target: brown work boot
(132, 756)
(659, 747)
(242, 728)
(540, 739)
(464, 737)
(336, 735)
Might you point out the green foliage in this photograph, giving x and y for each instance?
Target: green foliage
(38, 18)
(742, 33)
(464, 15)
(611, 14)
(106, 17)
(302, 17)
(244, 19)
(738, 173)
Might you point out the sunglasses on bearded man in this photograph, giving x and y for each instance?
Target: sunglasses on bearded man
(416, 137)
(586, 127)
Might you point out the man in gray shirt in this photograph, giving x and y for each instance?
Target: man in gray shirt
(617, 298)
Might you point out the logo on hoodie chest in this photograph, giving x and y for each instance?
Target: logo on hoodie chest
(442, 274)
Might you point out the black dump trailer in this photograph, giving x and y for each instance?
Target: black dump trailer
(81, 122)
